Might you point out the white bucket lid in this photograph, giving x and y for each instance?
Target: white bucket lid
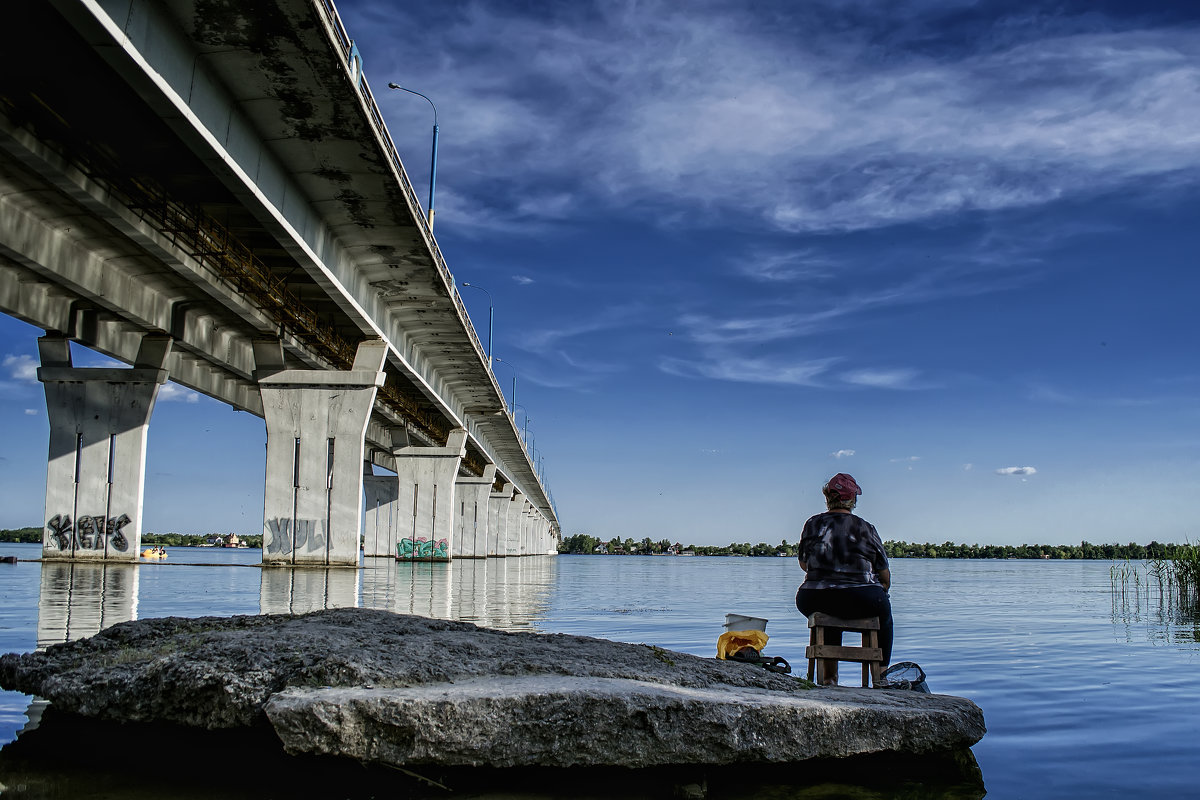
(741, 622)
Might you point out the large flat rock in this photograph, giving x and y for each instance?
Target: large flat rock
(404, 691)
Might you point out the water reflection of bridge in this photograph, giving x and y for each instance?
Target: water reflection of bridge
(78, 599)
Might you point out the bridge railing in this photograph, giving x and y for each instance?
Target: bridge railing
(345, 45)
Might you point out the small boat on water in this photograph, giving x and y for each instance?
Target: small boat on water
(154, 552)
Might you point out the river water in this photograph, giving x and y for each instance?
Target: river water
(1088, 686)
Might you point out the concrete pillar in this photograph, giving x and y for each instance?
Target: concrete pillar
(523, 531)
(316, 420)
(527, 539)
(427, 476)
(516, 523)
(382, 518)
(471, 500)
(96, 469)
(498, 520)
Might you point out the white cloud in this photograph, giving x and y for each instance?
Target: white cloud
(523, 279)
(750, 370)
(842, 453)
(31, 412)
(907, 460)
(968, 467)
(1016, 471)
(930, 284)
(883, 379)
(173, 392)
(787, 266)
(21, 368)
(808, 126)
(90, 359)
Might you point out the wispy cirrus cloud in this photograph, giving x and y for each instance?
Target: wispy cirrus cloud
(787, 266)
(792, 117)
(561, 356)
(751, 370)
(949, 278)
(884, 378)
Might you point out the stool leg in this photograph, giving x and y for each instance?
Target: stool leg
(871, 639)
(812, 640)
(827, 671)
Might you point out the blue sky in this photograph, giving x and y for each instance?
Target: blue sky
(734, 248)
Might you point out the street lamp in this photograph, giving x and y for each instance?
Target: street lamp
(512, 405)
(491, 317)
(433, 159)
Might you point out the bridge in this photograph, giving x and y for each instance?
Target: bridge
(206, 191)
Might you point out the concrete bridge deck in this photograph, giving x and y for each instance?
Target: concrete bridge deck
(220, 174)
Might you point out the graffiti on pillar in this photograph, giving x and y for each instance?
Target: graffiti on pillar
(407, 549)
(87, 532)
(59, 532)
(309, 535)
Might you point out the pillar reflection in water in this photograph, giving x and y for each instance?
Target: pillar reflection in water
(79, 599)
(286, 590)
(504, 593)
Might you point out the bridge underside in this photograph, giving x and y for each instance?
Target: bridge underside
(120, 219)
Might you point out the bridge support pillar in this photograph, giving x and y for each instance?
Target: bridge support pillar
(382, 518)
(427, 476)
(316, 421)
(526, 524)
(96, 470)
(541, 541)
(498, 520)
(471, 528)
(531, 541)
(516, 525)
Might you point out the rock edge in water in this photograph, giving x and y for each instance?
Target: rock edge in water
(409, 691)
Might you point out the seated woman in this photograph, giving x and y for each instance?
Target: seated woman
(846, 568)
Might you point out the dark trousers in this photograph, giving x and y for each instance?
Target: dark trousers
(854, 602)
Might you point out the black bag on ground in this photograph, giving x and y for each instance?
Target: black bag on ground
(905, 675)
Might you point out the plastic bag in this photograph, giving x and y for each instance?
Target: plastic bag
(905, 675)
(731, 641)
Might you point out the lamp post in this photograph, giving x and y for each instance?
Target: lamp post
(433, 158)
(512, 405)
(491, 317)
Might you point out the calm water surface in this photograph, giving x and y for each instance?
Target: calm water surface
(1087, 692)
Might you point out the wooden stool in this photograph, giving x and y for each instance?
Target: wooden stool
(823, 658)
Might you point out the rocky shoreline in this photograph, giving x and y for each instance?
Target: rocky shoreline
(413, 693)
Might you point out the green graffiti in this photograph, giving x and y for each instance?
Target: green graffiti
(409, 549)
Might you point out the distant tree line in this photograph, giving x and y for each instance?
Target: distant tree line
(582, 543)
(21, 535)
(1085, 549)
(34, 535)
